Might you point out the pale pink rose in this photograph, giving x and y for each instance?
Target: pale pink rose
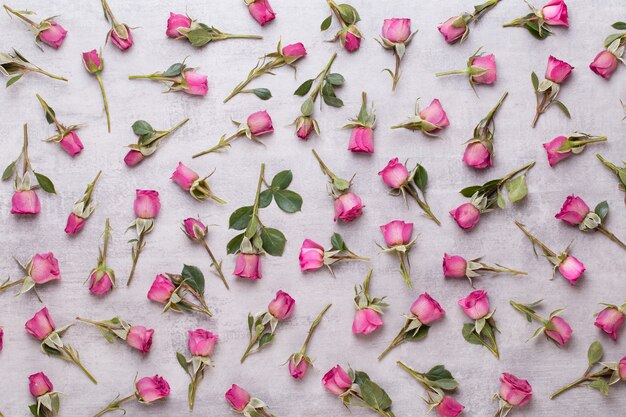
(53, 36)
(610, 320)
(426, 309)
(466, 216)
(152, 389)
(477, 156)
(41, 325)
(450, 32)
(573, 211)
(604, 64)
(74, 224)
(161, 289)
(147, 204)
(176, 21)
(487, 63)
(311, 256)
(39, 384)
(133, 157)
(25, 202)
(551, 149)
(100, 283)
(361, 140)
(122, 43)
(561, 332)
(237, 397)
(197, 83)
(304, 128)
(261, 11)
(337, 380)
(260, 123)
(475, 305)
(295, 50)
(201, 342)
(194, 228)
(71, 144)
(435, 115)
(449, 407)
(366, 321)
(397, 233)
(44, 268)
(348, 207)
(555, 13)
(571, 269)
(557, 70)
(396, 30)
(621, 366)
(298, 371)
(395, 174)
(248, 265)
(352, 41)
(281, 306)
(140, 338)
(454, 266)
(515, 391)
(184, 176)
(93, 61)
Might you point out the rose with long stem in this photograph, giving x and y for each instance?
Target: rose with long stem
(16, 65)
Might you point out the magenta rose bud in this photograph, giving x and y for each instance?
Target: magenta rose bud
(397, 233)
(261, 11)
(466, 216)
(201, 342)
(515, 391)
(248, 265)
(194, 228)
(487, 63)
(298, 371)
(41, 325)
(610, 320)
(100, 283)
(184, 176)
(260, 123)
(304, 128)
(396, 30)
(395, 174)
(454, 266)
(295, 50)
(451, 33)
(561, 332)
(39, 384)
(237, 397)
(337, 380)
(477, 156)
(361, 140)
(133, 157)
(161, 289)
(435, 115)
(426, 309)
(152, 389)
(44, 268)
(621, 366)
(282, 306)
(352, 41)
(348, 207)
(74, 224)
(604, 64)
(176, 21)
(557, 70)
(555, 13)
(25, 202)
(311, 256)
(147, 204)
(93, 62)
(197, 84)
(574, 210)
(71, 144)
(571, 269)
(475, 305)
(449, 407)
(140, 338)
(366, 321)
(551, 149)
(122, 43)
(54, 35)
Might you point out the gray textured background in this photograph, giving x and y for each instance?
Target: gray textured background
(595, 107)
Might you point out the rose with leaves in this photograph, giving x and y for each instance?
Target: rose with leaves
(180, 292)
(479, 152)
(147, 391)
(397, 235)
(241, 402)
(41, 388)
(457, 27)
(260, 10)
(102, 278)
(554, 327)
(611, 319)
(16, 66)
(620, 173)
(137, 337)
(362, 136)
(190, 181)
(299, 362)
(148, 141)
(481, 69)
(196, 231)
(563, 147)
(196, 33)
(201, 344)
(120, 33)
(540, 21)
(179, 77)
(395, 36)
(548, 89)
(349, 35)
(83, 208)
(483, 330)
(94, 64)
(47, 31)
(514, 392)
(367, 318)
(313, 256)
(147, 206)
(607, 61)
(430, 120)
(66, 136)
(42, 268)
(455, 266)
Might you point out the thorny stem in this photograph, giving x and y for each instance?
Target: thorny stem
(322, 76)
(335, 10)
(611, 236)
(20, 15)
(423, 205)
(216, 264)
(135, 259)
(396, 341)
(108, 12)
(396, 74)
(73, 358)
(222, 144)
(104, 98)
(114, 405)
(314, 325)
(26, 164)
(540, 109)
(325, 168)
(514, 173)
(442, 74)
(49, 113)
(255, 74)
(107, 233)
(495, 109)
(406, 272)
(178, 126)
(8, 285)
(584, 378)
(47, 74)
(258, 192)
(533, 239)
(525, 310)
(608, 164)
(502, 269)
(253, 341)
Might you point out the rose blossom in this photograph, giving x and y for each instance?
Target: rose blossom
(311, 256)
(133, 157)
(248, 265)
(348, 207)
(397, 233)
(426, 309)
(621, 366)
(44, 267)
(352, 41)
(237, 397)
(571, 269)
(298, 371)
(555, 13)
(261, 11)
(454, 266)
(515, 391)
(100, 282)
(54, 35)
(194, 228)
(121, 43)
(366, 321)
(449, 407)
(487, 63)
(152, 389)
(573, 211)
(184, 176)
(337, 380)
(610, 320)
(557, 70)
(282, 306)
(74, 224)
(197, 83)
(361, 140)
(475, 305)
(140, 338)
(294, 50)
(551, 149)
(147, 204)
(161, 289)
(477, 155)
(395, 174)
(466, 216)
(39, 384)
(201, 342)
(396, 30)
(25, 202)
(71, 144)
(450, 32)
(93, 62)
(304, 128)
(260, 123)
(41, 325)
(435, 115)
(176, 21)
(604, 64)
(561, 332)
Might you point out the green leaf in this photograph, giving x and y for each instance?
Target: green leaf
(446, 384)
(33, 409)
(193, 277)
(199, 37)
(421, 177)
(8, 171)
(273, 241)
(174, 70)
(469, 191)
(265, 198)
(240, 218)
(13, 80)
(600, 385)
(234, 244)
(335, 79)
(534, 80)
(45, 183)
(307, 107)
(500, 201)
(304, 88)
(517, 188)
(595, 353)
(619, 25)
(326, 23)
(375, 396)
(282, 180)
(141, 127)
(422, 332)
(470, 335)
(602, 209)
(182, 361)
(563, 108)
(360, 377)
(250, 322)
(265, 339)
(438, 372)
(288, 201)
(337, 242)
(348, 14)
(262, 93)
(49, 114)
(333, 101)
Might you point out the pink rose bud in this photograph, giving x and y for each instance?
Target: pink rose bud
(557, 70)
(304, 127)
(311, 256)
(454, 266)
(475, 305)
(237, 397)
(621, 366)
(161, 289)
(348, 207)
(133, 157)
(25, 202)
(93, 61)
(201, 342)
(352, 41)
(395, 174)
(1, 336)
(260, 123)
(122, 43)
(449, 407)
(487, 63)
(555, 13)
(426, 309)
(298, 371)
(44, 268)
(466, 216)
(41, 325)
(39, 384)
(396, 30)
(551, 149)
(74, 224)
(194, 228)
(100, 282)
(54, 35)
(248, 265)
(515, 391)
(282, 306)
(453, 29)
(295, 50)
(184, 176)
(366, 321)
(561, 332)
(147, 204)
(477, 156)
(574, 210)
(604, 64)
(610, 320)
(571, 269)
(152, 389)
(197, 84)
(397, 233)
(71, 144)
(140, 338)
(435, 115)
(261, 11)
(361, 140)
(175, 22)
(337, 380)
